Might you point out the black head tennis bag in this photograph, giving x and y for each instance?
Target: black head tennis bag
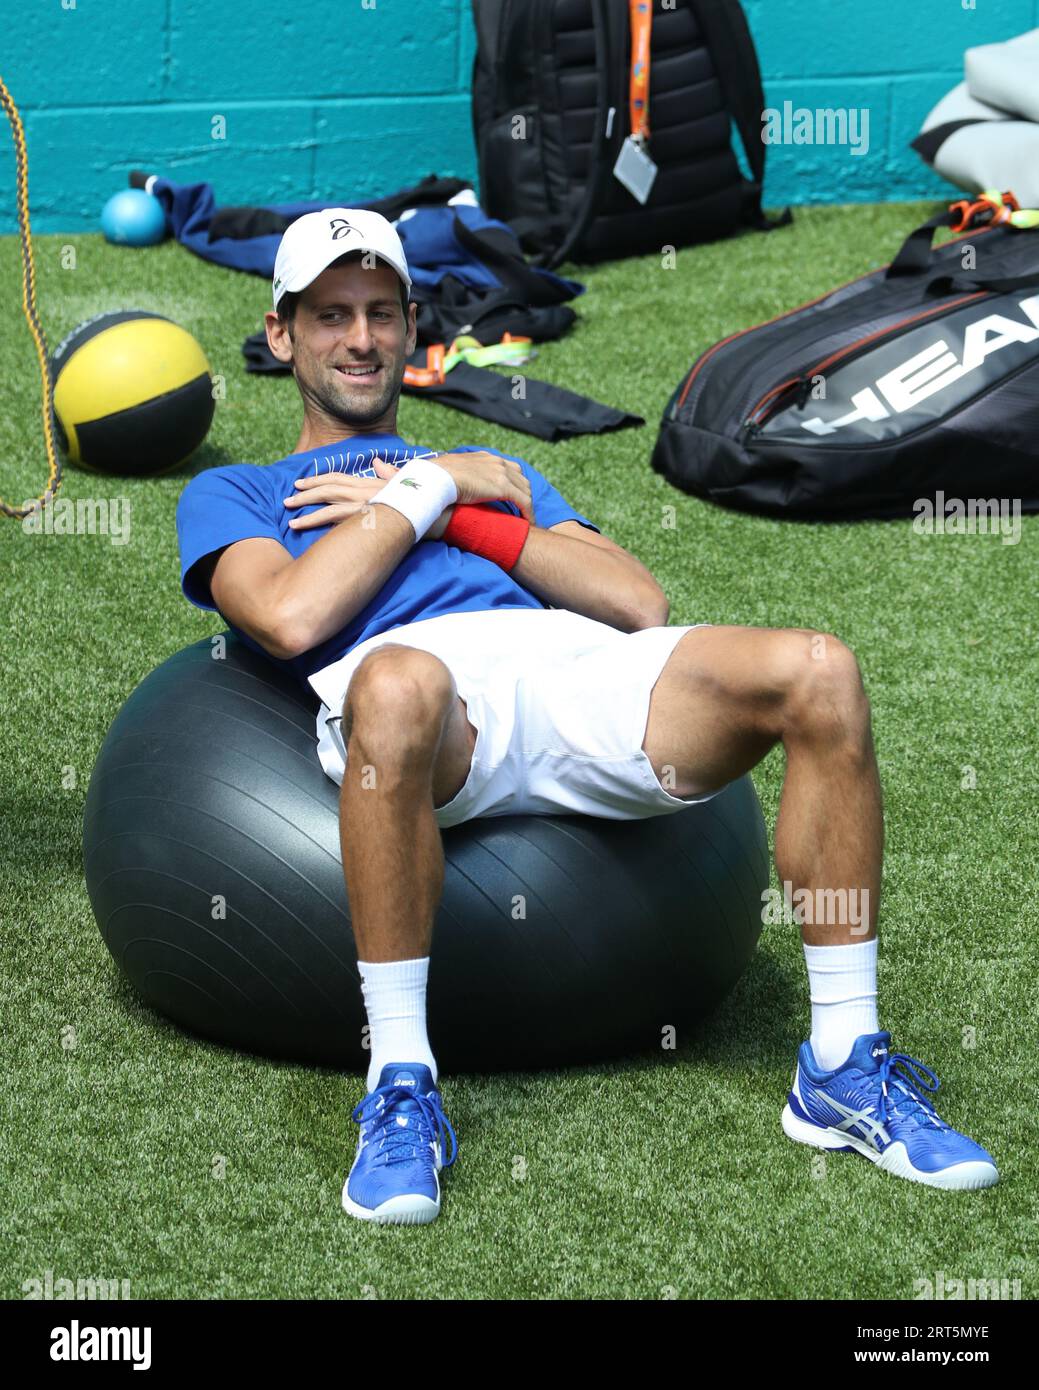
(922, 376)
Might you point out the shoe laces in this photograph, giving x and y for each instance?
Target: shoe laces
(401, 1143)
(905, 1089)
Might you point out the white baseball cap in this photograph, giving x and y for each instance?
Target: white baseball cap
(316, 239)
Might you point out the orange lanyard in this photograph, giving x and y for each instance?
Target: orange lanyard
(641, 16)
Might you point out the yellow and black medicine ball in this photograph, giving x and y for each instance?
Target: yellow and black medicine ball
(133, 393)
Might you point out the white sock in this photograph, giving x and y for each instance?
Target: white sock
(842, 982)
(395, 1001)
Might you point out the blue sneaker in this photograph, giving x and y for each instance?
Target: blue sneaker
(867, 1107)
(394, 1179)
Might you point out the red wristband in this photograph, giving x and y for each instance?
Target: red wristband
(497, 536)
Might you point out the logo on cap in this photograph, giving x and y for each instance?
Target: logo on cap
(340, 226)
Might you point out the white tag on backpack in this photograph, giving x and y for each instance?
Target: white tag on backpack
(635, 169)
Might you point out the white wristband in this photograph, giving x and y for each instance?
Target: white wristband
(420, 491)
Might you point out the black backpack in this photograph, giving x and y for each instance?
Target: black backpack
(563, 67)
(919, 378)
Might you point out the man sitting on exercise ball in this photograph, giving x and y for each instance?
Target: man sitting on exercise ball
(481, 649)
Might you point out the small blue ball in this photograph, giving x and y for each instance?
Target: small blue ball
(133, 218)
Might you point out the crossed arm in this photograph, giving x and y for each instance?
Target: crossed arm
(290, 605)
(609, 585)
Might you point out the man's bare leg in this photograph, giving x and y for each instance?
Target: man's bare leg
(725, 697)
(409, 748)
(729, 694)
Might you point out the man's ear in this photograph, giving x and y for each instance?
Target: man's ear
(411, 339)
(278, 339)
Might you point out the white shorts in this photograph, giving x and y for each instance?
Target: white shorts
(560, 703)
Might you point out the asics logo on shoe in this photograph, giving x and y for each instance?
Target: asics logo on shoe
(872, 1130)
(404, 1081)
(879, 1051)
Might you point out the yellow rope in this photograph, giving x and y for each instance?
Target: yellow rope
(29, 305)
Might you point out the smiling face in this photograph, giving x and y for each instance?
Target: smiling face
(348, 344)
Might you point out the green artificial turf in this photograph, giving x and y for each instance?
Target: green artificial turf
(653, 1178)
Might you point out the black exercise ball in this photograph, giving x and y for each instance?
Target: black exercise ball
(211, 845)
(133, 394)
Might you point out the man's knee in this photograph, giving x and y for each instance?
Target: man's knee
(823, 689)
(398, 691)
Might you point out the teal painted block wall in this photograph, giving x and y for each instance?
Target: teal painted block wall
(345, 99)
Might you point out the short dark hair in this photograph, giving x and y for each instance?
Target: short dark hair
(289, 301)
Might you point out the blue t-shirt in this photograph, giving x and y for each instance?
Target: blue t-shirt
(242, 500)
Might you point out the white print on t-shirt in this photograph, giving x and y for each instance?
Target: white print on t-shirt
(360, 463)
